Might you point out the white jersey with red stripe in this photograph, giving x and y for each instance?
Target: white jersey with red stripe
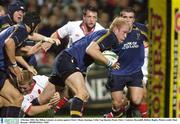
(75, 30)
(145, 66)
(41, 82)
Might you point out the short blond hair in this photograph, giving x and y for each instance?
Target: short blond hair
(27, 77)
(118, 22)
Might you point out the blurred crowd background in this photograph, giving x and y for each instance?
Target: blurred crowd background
(56, 13)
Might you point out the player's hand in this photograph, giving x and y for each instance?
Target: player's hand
(17, 72)
(46, 45)
(55, 99)
(53, 40)
(32, 70)
(116, 65)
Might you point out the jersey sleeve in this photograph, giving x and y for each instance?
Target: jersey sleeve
(26, 105)
(143, 29)
(98, 27)
(106, 41)
(41, 80)
(19, 35)
(144, 32)
(65, 30)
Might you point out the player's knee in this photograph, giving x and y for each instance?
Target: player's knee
(117, 103)
(136, 100)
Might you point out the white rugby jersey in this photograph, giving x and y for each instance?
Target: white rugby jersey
(145, 66)
(75, 31)
(41, 82)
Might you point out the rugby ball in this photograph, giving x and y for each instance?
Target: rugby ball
(110, 55)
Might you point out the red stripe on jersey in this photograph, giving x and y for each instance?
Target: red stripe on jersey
(28, 109)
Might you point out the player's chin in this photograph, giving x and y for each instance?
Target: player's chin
(18, 20)
(121, 41)
(91, 25)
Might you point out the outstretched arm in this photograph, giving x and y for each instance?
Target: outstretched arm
(21, 60)
(39, 37)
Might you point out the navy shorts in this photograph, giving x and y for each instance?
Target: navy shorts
(118, 82)
(3, 77)
(63, 67)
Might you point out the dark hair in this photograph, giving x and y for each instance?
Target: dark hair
(128, 9)
(90, 8)
(31, 19)
(15, 7)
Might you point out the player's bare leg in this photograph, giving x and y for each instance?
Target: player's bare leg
(136, 96)
(117, 105)
(143, 107)
(77, 84)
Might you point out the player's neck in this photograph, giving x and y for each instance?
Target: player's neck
(86, 29)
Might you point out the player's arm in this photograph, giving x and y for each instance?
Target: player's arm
(29, 50)
(47, 45)
(99, 44)
(10, 51)
(39, 37)
(21, 60)
(94, 51)
(34, 110)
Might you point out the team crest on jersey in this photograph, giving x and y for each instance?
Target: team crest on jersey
(138, 36)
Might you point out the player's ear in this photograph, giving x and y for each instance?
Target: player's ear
(115, 30)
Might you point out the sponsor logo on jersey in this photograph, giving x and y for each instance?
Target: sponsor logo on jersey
(130, 45)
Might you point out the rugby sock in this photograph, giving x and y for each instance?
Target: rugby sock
(118, 112)
(10, 111)
(76, 107)
(143, 108)
(133, 111)
(60, 104)
(35, 102)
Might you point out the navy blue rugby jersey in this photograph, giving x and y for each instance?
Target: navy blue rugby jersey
(105, 40)
(131, 51)
(18, 33)
(5, 21)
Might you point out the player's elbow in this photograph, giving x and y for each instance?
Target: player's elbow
(33, 111)
(89, 51)
(92, 48)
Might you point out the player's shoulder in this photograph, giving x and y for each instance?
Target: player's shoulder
(39, 77)
(4, 19)
(99, 26)
(140, 26)
(74, 23)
